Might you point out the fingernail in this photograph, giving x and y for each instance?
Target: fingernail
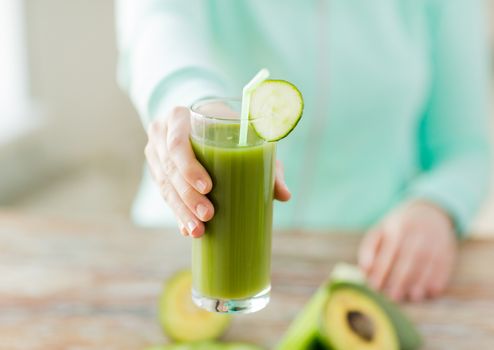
(201, 186)
(191, 226)
(201, 211)
(183, 231)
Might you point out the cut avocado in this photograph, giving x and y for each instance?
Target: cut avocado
(181, 319)
(356, 317)
(352, 320)
(345, 311)
(303, 332)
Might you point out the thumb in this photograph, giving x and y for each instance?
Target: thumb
(281, 191)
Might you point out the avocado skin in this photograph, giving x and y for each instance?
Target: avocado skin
(303, 331)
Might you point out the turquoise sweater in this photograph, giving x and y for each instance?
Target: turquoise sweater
(396, 95)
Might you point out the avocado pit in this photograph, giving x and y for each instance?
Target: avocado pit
(361, 324)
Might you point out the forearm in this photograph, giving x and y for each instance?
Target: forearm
(158, 65)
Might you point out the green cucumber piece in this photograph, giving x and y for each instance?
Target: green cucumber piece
(181, 319)
(276, 107)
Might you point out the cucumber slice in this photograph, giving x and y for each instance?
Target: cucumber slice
(181, 319)
(276, 107)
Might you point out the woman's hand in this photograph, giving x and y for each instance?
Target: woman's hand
(411, 253)
(182, 180)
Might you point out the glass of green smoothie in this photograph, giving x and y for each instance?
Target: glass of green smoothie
(235, 140)
(231, 261)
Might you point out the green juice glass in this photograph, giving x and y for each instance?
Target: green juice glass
(231, 262)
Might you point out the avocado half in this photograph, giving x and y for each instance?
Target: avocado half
(303, 332)
(181, 319)
(357, 317)
(345, 314)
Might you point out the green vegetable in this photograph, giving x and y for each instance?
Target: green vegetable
(276, 107)
(345, 314)
(181, 319)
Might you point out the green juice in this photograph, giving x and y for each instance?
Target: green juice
(233, 258)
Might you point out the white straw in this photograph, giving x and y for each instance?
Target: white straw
(246, 94)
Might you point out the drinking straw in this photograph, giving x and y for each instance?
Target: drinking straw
(247, 91)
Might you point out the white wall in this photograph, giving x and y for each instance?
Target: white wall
(88, 121)
(72, 58)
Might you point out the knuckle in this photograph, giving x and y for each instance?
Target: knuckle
(178, 110)
(187, 193)
(174, 142)
(166, 189)
(191, 172)
(168, 166)
(162, 183)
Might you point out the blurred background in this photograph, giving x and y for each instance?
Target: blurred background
(71, 144)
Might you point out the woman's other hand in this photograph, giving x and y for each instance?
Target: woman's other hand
(411, 253)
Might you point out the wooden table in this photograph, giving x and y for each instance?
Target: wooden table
(69, 285)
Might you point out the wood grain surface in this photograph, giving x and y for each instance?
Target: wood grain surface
(72, 285)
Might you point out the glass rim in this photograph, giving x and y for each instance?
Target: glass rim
(196, 104)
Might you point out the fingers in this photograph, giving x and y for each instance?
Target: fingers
(440, 275)
(187, 220)
(188, 223)
(420, 288)
(181, 154)
(196, 202)
(384, 260)
(411, 261)
(281, 191)
(369, 248)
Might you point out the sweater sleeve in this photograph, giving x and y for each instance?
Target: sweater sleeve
(164, 55)
(454, 132)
